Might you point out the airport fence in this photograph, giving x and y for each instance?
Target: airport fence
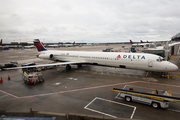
(56, 116)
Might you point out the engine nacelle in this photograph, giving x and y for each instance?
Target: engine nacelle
(45, 56)
(51, 56)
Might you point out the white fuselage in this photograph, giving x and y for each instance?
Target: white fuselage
(139, 61)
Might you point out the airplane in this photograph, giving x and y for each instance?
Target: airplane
(141, 44)
(1, 42)
(3, 47)
(29, 47)
(137, 61)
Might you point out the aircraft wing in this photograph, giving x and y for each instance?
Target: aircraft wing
(43, 65)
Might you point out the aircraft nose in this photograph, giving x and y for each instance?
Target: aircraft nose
(172, 67)
(176, 67)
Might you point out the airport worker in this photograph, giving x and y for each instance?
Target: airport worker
(25, 72)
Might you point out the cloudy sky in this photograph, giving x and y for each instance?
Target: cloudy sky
(88, 20)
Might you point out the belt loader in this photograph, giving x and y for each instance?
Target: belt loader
(154, 99)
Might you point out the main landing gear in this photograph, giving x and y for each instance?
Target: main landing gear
(68, 67)
(79, 65)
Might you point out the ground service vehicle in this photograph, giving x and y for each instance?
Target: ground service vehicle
(33, 78)
(33, 69)
(155, 99)
(9, 65)
(132, 49)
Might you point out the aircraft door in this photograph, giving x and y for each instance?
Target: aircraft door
(150, 63)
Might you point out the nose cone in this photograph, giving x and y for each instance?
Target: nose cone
(172, 67)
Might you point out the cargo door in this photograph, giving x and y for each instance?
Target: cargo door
(150, 63)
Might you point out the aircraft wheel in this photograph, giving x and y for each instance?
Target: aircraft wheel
(27, 82)
(79, 65)
(68, 67)
(42, 81)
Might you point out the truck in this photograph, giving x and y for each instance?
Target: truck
(33, 77)
(35, 69)
(154, 99)
(132, 49)
(27, 70)
(9, 65)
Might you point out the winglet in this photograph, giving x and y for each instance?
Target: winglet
(39, 46)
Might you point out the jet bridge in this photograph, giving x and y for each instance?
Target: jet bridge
(157, 52)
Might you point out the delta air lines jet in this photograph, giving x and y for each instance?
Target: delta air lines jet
(138, 61)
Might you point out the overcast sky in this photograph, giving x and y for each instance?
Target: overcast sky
(88, 20)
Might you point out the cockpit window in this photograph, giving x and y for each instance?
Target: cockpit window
(160, 59)
(163, 59)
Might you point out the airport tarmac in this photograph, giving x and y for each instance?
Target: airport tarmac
(85, 90)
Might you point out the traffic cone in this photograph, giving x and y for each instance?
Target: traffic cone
(1, 81)
(9, 77)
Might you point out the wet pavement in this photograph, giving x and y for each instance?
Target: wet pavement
(85, 90)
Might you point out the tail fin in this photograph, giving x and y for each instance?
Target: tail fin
(39, 46)
(1, 42)
(131, 41)
(141, 41)
(147, 41)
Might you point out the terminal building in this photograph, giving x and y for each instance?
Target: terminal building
(176, 38)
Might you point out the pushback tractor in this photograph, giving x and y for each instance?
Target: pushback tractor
(155, 99)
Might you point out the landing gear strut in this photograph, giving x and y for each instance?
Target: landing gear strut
(68, 67)
(79, 65)
(147, 74)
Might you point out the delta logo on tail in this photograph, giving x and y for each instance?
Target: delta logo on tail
(142, 41)
(1, 42)
(38, 45)
(131, 41)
